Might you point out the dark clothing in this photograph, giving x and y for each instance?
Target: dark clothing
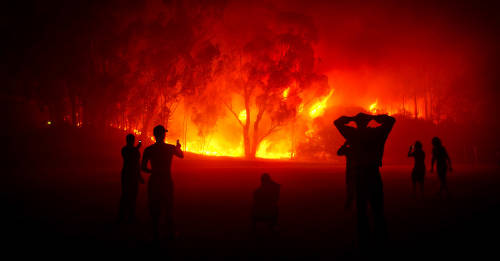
(130, 182)
(345, 150)
(418, 173)
(265, 208)
(160, 155)
(367, 145)
(160, 185)
(440, 156)
(369, 189)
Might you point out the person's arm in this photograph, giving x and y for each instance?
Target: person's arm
(144, 163)
(345, 130)
(410, 152)
(177, 151)
(386, 122)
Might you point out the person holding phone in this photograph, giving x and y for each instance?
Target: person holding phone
(130, 178)
(160, 185)
(418, 172)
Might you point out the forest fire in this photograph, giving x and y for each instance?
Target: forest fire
(266, 89)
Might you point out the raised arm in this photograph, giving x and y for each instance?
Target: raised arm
(345, 130)
(410, 152)
(177, 151)
(145, 160)
(386, 122)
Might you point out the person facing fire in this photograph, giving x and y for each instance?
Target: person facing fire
(367, 145)
(443, 163)
(418, 172)
(265, 208)
(160, 185)
(345, 150)
(131, 176)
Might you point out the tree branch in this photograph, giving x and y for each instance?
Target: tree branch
(230, 108)
(271, 130)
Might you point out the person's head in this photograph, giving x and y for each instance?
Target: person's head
(159, 133)
(362, 120)
(265, 178)
(130, 138)
(436, 142)
(418, 145)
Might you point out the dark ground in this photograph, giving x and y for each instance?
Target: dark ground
(73, 208)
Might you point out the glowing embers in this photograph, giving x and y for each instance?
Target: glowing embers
(373, 107)
(319, 107)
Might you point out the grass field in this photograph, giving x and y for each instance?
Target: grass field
(75, 206)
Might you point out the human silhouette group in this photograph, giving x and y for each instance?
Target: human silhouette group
(363, 150)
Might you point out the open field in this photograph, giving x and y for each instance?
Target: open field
(75, 207)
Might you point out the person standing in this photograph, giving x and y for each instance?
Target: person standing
(367, 145)
(265, 207)
(443, 163)
(131, 176)
(418, 172)
(160, 185)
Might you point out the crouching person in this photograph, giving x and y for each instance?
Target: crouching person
(265, 207)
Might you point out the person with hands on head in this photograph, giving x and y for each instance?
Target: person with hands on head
(367, 146)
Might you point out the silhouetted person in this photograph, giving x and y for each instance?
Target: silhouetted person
(131, 176)
(367, 146)
(418, 172)
(265, 208)
(443, 163)
(345, 150)
(160, 185)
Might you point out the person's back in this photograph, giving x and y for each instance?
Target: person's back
(367, 146)
(160, 185)
(160, 155)
(419, 156)
(131, 159)
(441, 157)
(130, 178)
(265, 208)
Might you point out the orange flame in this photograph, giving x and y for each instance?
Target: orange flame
(285, 92)
(373, 107)
(319, 107)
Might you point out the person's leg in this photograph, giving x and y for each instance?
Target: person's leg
(169, 210)
(363, 223)
(377, 203)
(155, 211)
(414, 186)
(422, 188)
(134, 190)
(122, 211)
(349, 194)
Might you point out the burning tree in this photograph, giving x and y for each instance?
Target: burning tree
(269, 74)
